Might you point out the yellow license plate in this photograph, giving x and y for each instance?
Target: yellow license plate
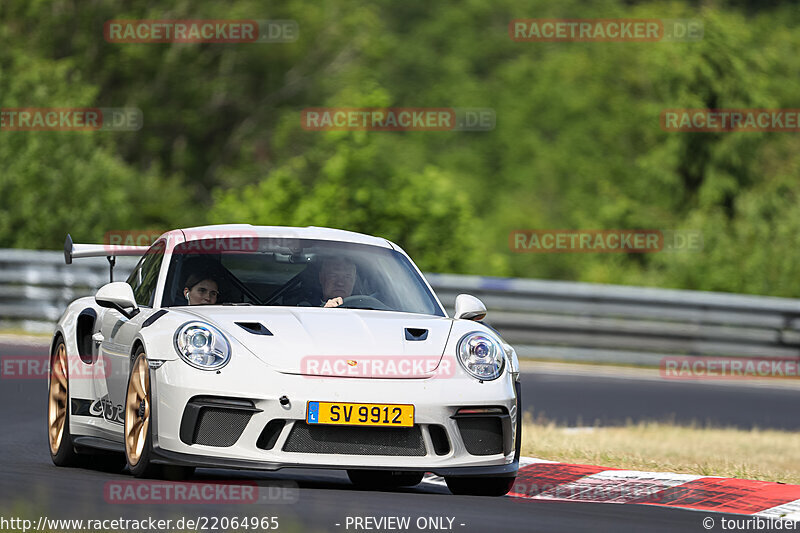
(360, 414)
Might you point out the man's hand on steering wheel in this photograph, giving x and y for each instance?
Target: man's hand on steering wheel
(357, 301)
(334, 302)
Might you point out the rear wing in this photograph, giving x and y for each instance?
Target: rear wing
(110, 251)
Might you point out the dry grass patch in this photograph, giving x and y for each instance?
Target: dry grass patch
(766, 455)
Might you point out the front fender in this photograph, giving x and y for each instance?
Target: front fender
(158, 338)
(80, 382)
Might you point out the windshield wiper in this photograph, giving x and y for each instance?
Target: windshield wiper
(237, 303)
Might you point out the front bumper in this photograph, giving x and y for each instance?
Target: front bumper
(436, 401)
(200, 461)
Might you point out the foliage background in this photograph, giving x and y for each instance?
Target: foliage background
(577, 143)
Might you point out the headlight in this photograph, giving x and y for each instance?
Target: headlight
(481, 355)
(202, 346)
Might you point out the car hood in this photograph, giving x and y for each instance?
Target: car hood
(334, 342)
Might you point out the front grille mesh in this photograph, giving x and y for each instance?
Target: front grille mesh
(354, 440)
(220, 427)
(482, 436)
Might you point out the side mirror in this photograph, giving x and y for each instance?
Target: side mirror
(469, 308)
(117, 295)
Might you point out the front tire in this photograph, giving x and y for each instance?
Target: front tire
(62, 451)
(480, 486)
(138, 431)
(138, 440)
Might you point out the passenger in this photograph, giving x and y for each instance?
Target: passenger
(201, 289)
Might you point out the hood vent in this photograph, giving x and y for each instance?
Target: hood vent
(416, 334)
(256, 328)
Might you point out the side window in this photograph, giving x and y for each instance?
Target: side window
(135, 279)
(144, 277)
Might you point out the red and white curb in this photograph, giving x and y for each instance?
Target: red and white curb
(547, 480)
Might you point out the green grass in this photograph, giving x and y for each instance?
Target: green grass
(766, 455)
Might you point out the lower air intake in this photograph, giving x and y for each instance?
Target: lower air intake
(482, 436)
(354, 440)
(220, 427)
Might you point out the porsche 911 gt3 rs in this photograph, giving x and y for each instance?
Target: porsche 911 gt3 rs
(251, 347)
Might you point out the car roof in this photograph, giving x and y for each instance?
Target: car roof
(284, 232)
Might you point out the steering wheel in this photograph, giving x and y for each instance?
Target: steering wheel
(364, 301)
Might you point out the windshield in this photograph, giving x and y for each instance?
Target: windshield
(297, 273)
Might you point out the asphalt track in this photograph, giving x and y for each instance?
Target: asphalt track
(31, 486)
(585, 398)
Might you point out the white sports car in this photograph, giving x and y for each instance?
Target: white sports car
(253, 347)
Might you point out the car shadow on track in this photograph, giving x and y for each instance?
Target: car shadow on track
(310, 479)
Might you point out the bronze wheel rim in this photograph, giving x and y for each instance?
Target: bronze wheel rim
(57, 399)
(137, 410)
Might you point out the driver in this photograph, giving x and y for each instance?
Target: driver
(337, 275)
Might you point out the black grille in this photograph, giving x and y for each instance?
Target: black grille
(350, 440)
(482, 435)
(220, 427)
(215, 420)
